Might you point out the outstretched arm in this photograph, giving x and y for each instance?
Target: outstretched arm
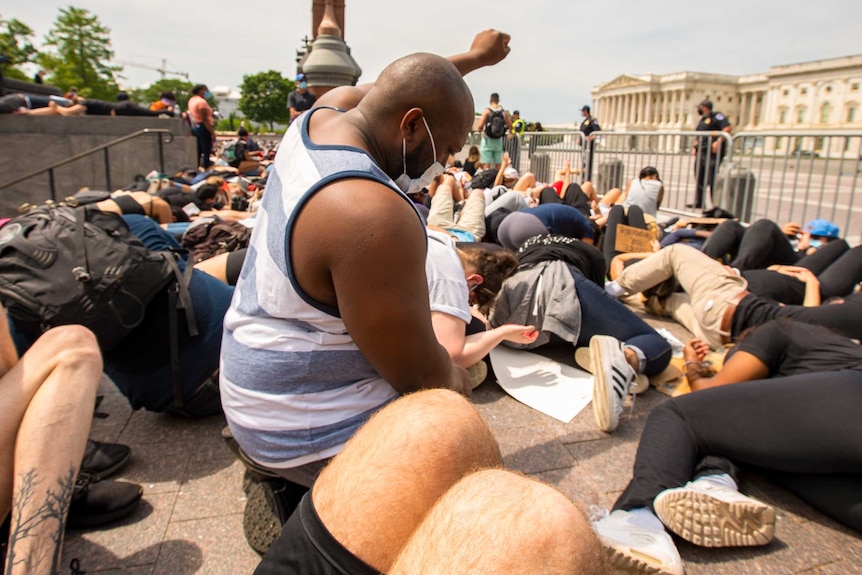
(467, 350)
(488, 48)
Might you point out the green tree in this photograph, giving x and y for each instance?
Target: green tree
(264, 97)
(181, 89)
(15, 44)
(82, 54)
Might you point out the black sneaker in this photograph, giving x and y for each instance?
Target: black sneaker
(269, 504)
(104, 459)
(95, 503)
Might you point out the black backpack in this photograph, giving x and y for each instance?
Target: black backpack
(495, 127)
(63, 265)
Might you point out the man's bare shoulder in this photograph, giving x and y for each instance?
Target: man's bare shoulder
(344, 97)
(358, 206)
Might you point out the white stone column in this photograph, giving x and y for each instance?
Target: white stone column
(648, 113)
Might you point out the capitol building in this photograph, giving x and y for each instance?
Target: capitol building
(809, 98)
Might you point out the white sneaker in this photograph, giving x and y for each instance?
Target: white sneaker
(712, 515)
(613, 379)
(582, 358)
(633, 547)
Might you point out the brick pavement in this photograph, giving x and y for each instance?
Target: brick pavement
(191, 517)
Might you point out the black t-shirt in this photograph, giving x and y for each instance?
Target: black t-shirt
(793, 348)
(178, 198)
(590, 125)
(301, 102)
(712, 122)
(752, 311)
(239, 150)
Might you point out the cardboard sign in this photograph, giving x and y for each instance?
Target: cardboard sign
(631, 239)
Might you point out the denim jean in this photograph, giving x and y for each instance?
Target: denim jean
(602, 314)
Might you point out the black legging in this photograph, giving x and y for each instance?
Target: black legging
(617, 216)
(574, 197)
(805, 429)
(837, 266)
(759, 246)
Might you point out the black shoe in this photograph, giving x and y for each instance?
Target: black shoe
(104, 459)
(269, 504)
(95, 503)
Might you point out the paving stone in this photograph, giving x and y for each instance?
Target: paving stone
(607, 461)
(579, 487)
(532, 450)
(220, 545)
(210, 488)
(134, 541)
(158, 468)
(202, 436)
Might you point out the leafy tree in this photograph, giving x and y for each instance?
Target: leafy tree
(181, 89)
(15, 44)
(264, 97)
(82, 52)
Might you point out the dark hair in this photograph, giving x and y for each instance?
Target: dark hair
(495, 97)
(198, 89)
(649, 171)
(516, 112)
(473, 154)
(168, 95)
(242, 132)
(494, 266)
(458, 164)
(207, 192)
(122, 96)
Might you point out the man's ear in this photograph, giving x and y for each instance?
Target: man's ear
(411, 123)
(476, 279)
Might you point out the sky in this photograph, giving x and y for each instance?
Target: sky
(560, 49)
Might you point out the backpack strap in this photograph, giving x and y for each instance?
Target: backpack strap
(82, 270)
(179, 298)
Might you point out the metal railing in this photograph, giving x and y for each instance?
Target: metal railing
(784, 176)
(169, 136)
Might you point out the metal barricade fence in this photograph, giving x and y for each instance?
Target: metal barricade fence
(801, 176)
(784, 176)
(542, 153)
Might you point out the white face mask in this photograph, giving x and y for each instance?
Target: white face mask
(410, 185)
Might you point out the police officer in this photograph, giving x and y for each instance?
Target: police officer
(588, 126)
(300, 99)
(519, 126)
(708, 150)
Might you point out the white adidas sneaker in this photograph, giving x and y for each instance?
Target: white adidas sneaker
(633, 546)
(582, 358)
(713, 515)
(613, 380)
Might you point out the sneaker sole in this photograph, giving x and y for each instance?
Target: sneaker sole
(601, 390)
(259, 522)
(582, 358)
(709, 522)
(633, 563)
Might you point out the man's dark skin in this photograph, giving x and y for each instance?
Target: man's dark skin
(369, 260)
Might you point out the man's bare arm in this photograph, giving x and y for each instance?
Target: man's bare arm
(372, 266)
(488, 48)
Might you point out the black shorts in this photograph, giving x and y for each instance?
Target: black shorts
(306, 547)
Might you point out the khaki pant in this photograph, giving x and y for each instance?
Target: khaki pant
(471, 218)
(709, 288)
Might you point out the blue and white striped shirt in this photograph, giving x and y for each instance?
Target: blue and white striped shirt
(294, 385)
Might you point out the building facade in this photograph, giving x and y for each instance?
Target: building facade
(809, 97)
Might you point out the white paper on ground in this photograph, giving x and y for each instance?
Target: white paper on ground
(552, 388)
